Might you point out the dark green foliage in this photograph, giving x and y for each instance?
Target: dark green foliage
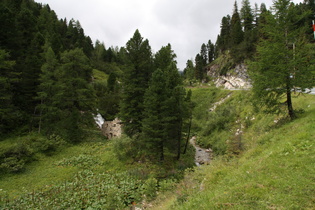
(189, 71)
(285, 60)
(211, 52)
(237, 34)
(75, 97)
(27, 29)
(47, 89)
(67, 97)
(199, 68)
(164, 108)
(8, 112)
(247, 16)
(236, 27)
(223, 40)
(111, 82)
(155, 110)
(135, 82)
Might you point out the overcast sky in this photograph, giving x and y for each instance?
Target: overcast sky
(185, 24)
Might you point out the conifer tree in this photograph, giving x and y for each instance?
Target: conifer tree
(162, 124)
(284, 61)
(250, 32)
(224, 38)
(247, 16)
(211, 51)
(135, 82)
(7, 108)
(236, 34)
(199, 74)
(155, 110)
(75, 97)
(47, 90)
(236, 28)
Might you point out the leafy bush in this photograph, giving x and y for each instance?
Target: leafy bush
(126, 148)
(15, 153)
(13, 158)
(12, 164)
(150, 188)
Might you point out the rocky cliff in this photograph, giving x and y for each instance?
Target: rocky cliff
(224, 72)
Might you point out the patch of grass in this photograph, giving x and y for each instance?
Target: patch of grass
(99, 75)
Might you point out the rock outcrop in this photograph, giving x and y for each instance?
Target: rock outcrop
(112, 129)
(235, 78)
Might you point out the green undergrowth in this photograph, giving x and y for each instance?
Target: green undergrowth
(91, 174)
(215, 124)
(274, 170)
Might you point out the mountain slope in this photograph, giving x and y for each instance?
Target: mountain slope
(275, 170)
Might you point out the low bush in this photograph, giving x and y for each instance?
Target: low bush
(15, 153)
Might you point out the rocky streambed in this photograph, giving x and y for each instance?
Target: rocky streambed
(202, 156)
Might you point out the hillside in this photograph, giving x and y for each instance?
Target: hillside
(259, 162)
(274, 169)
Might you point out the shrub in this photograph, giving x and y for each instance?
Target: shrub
(150, 188)
(12, 164)
(126, 148)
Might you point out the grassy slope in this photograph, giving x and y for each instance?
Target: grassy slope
(45, 171)
(276, 170)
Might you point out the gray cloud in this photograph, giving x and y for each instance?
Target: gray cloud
(185, 24)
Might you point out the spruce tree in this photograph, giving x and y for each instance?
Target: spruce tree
(162, 124)
(247, 16)
(224, 38)
(47, 89)
(211, 51)
(236, 35)
(236, 28)
(75, 97)
(199, 67)
(250, 32)
(8, 111)
(135, 82)
(155, 110)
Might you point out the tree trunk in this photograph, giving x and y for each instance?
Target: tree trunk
(179, 136)
(188, 135)
(161, 150)
(289, 104)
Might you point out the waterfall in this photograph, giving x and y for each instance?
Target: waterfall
(99, 120)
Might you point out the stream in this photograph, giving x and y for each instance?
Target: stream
(202, 156)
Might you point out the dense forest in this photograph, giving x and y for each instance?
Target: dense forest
(48, 85)
(51, 86)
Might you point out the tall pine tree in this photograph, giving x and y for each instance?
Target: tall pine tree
(74, 99)
(135, 82)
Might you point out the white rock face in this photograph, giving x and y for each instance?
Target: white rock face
(236, 78)
(232, 82)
